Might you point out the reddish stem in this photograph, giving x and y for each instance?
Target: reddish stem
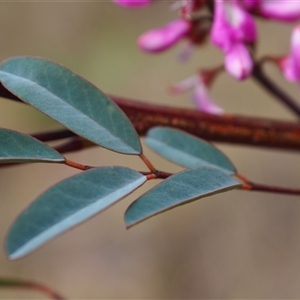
(227, 128)
(252, 186)
(272, 88)
(74, 144)
(16, 283)
(53, 135)
(76, 165)
(148, 163)
(151, 176)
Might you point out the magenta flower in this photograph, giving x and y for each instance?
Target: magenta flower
(280, 10)
(251, 4)
(238, 62)
(200, 96)
(160, 39)
(132, 3)
(231, 24)
(233, 28)
(290, 65)
(204, 102)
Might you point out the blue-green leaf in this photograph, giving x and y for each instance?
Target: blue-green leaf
(70, 100)
(181, 188)
(67, 204)
(18, 147)
(187, 150)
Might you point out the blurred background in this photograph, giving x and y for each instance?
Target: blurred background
(233, 245)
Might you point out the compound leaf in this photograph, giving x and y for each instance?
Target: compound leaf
(18, 147)
(72, 101)
(67, 204)
(181, 188)
(187, 150)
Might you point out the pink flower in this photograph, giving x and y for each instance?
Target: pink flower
(231, 24)
(200, 95)
(251, 4)
(160, 39)
(132, 3)
(290, 65)
(204, 102)
(233, 27)
(238, 62)
(280, 10)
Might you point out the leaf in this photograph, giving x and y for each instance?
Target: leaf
(18, 147)
(67, 204)
(187, 150)
(181, 188)
(72, 101)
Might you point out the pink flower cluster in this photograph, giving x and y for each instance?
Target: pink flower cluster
(232, 30)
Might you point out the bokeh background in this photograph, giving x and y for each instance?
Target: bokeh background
(233, 245)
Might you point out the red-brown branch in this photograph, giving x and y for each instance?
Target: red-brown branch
(226, 128)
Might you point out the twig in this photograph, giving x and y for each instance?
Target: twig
(17, 283)
(76, 165)
(226, 128)
(148, 163)
(272, 88)
(253, 186)
(53, 135)
(74, 144)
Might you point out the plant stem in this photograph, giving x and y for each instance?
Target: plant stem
(272, 88)
(75, 144)
(53, 135)
(253, 186)
(158, 174)
(151, 176)
(16, 283)
(226, 128)
(76, 165)
(148, 163)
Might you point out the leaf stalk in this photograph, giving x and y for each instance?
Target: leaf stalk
(16, 283)
(76, 165)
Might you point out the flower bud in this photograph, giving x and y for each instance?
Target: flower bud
(157, 40)
(280, 10)
(200, 95)
(204, 102)
(290, 65)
